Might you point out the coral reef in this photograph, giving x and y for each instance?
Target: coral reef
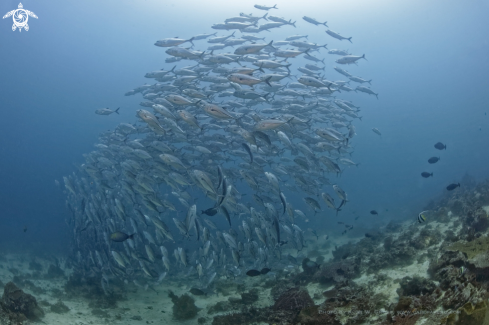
(415, 286)
(293, 299)
(183, 306)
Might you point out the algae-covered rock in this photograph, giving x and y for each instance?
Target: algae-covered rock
(473, 314)
(183, 306)
(415, 286)
(18, 303)
(471, 248)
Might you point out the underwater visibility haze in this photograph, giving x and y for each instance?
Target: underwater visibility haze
(216, 162)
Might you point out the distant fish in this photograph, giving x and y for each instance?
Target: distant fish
(440, 146)
(374, 212)
(451, 187)
(462, 271)
(265, 270)
(433, 160)
(25, 228)
(210, 212)
(119, 236)
(106, 111)
(253, 273)
(376, 131)
(265, 7)
(426, 174)
(421, 217)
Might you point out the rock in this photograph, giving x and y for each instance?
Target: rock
(59, 308)
(220, 307)
(249, 297)
(18, 303)
(337, 272)
(473, 314)
(415, 286)
(183, 306)
(293, 299)
(472, 248)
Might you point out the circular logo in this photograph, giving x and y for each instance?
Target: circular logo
(20, 18)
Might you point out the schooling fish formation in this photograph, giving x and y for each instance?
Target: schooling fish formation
(233, 131)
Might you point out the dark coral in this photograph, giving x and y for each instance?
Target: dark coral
(415, 286)
(20, 305)
(247, 315)
(183, 306)
(293, 299)
(249, 297)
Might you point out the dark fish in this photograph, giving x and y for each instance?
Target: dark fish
(119, 236)
(248, 149)
(453, 186)
(210, 212)
(197, 292)
(440, 146)
(433, 160)
(357, 217)
(25, 228)
(374, 212)
(265, 270)
(426, 174)
(225, 212)
(253, 273)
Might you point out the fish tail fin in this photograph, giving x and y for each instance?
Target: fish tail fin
(268, 80)
(190, 40)
(349, 39)
(288, 65)
(117, 110)
(363, 57)
(265, 16)
(172, 69)
(131, 236)
(369, 81)
(270, 44)
(431, 174)
(325, 24)
(445, 147)
(275, 6)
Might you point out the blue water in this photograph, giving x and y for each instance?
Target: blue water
(429, 62)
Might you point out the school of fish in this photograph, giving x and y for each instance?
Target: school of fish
(199, 186)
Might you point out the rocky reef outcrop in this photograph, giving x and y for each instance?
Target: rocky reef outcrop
(18, 306)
